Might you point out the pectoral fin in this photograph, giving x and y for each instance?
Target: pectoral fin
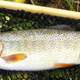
(15, 57)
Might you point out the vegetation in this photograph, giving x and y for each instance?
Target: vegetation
(19, 20)
(66, 4)
(73, 5)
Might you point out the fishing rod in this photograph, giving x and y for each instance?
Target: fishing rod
(40, 9)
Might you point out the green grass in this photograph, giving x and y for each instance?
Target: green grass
(70, 4)
(72, 73)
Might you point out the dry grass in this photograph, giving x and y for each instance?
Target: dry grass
(64, 4)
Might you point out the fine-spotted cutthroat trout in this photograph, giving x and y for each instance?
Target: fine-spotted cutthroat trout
(39, 49)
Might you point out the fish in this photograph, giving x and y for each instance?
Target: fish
(39, 49)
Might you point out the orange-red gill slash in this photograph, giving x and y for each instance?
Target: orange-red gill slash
(15, 57)
(63, 65)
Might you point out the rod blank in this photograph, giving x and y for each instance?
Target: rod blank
(40, 9)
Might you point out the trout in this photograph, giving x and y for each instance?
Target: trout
(39, 49)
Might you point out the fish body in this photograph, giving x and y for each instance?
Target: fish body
(39, 49)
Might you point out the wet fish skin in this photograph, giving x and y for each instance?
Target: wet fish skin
(44, 48)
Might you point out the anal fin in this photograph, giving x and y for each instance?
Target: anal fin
(63, 65)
